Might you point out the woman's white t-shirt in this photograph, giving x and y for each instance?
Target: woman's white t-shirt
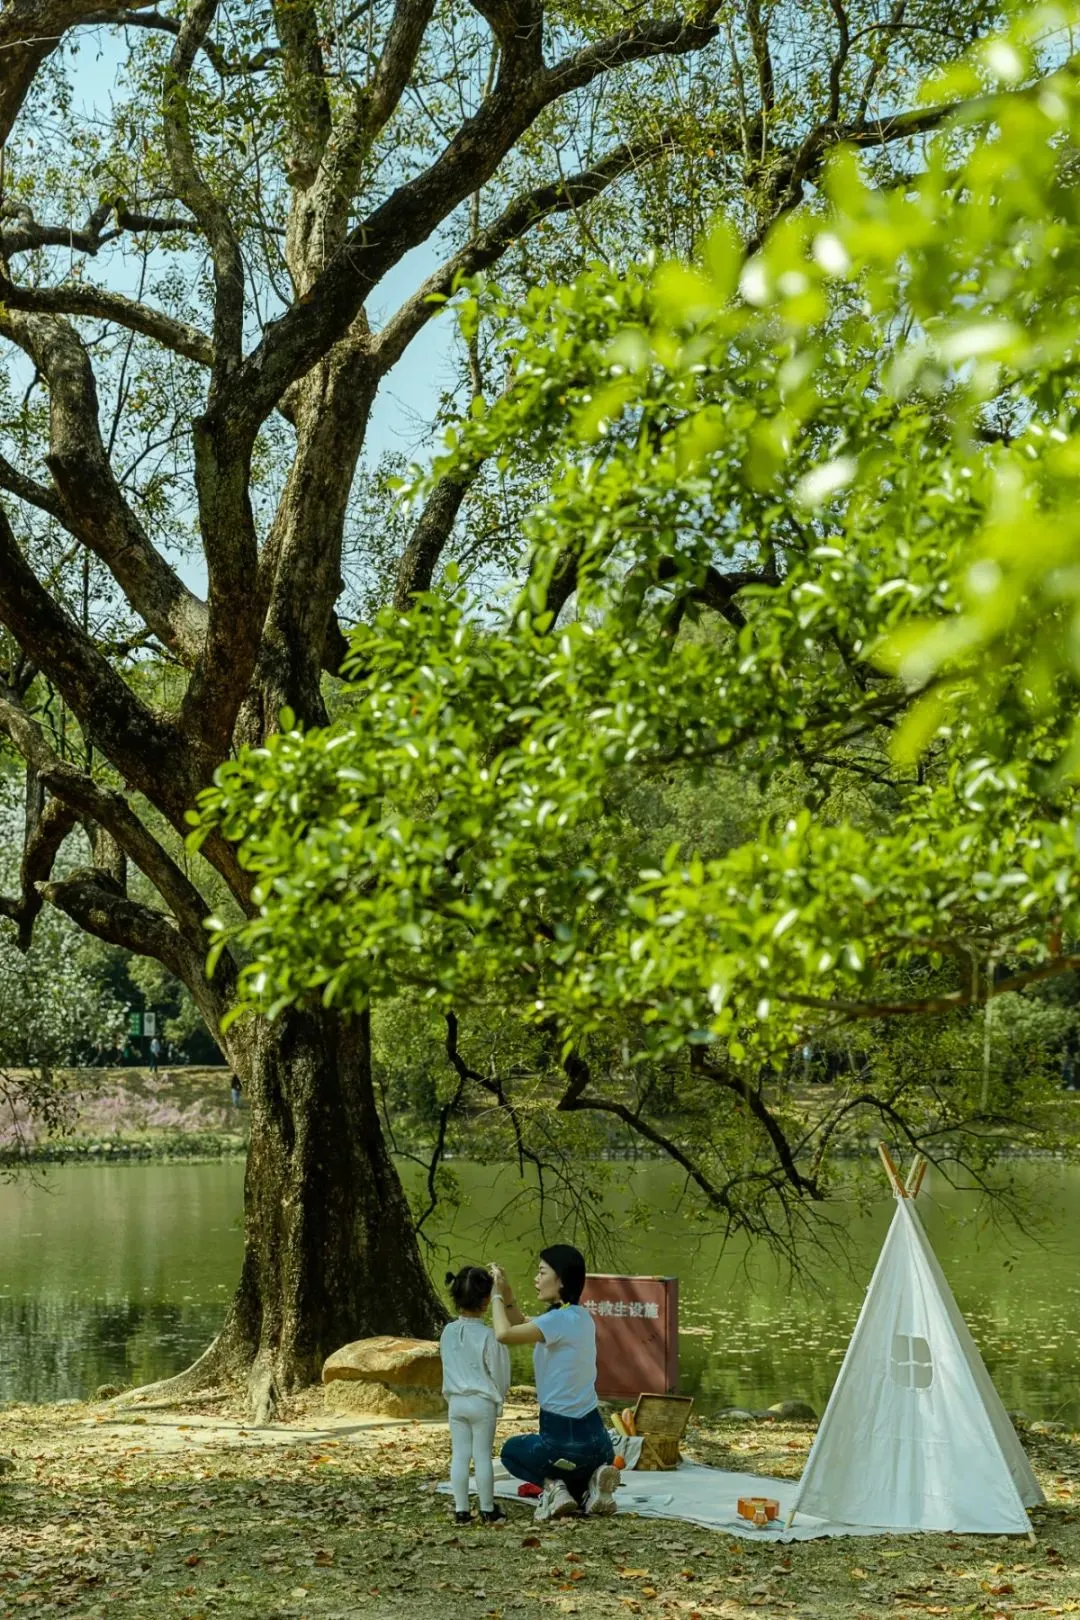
(564, 1364)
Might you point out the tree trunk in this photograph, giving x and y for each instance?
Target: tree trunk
(330, 1252)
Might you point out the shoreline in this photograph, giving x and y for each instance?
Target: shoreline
(166, 1148)
(125, 1115)
(201, 1145)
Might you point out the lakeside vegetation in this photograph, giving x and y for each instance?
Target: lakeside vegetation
(187, 1112)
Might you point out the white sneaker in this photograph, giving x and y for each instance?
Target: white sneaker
(600, 1496)
(556, 1502)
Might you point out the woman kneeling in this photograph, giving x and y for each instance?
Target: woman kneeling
(571, 1457)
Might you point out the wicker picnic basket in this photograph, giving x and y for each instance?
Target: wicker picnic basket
(661, 1422)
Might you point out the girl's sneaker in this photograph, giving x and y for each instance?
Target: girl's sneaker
(463, 1518)
(600, 1496)
(556, 1502)
(493, 1516)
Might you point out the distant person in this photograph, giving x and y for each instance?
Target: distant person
(234, 1090)
(572, 1457)
(155, 1055)
(476, 1377)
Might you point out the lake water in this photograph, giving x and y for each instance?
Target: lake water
(121, 1274)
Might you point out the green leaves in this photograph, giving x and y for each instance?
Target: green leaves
(821, 511)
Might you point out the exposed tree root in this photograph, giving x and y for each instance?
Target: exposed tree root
(222, 1370)
(216, 1366)
(201, 1397)
(264, 1394)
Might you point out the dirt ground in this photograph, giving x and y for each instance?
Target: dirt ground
(185, 1515)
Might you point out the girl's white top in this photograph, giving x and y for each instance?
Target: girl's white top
(473, 1360)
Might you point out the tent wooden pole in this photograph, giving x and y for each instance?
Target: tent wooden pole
(891, 1171)
(915, 1177)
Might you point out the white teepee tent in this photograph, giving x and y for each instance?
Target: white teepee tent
(915, 1436)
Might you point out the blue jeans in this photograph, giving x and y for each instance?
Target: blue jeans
(570, 1449)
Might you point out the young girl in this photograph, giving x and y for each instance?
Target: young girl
(476, 1377)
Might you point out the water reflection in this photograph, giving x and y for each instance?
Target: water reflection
(53, 1349)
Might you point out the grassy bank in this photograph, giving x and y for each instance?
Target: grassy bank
(103, 1518)
(119, 1114)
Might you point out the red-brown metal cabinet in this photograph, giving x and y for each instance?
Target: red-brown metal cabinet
(637, 1334)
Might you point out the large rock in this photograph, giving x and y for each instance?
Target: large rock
(386, 1360)
(385, 1377)
(375, 1400)
(793, 1412)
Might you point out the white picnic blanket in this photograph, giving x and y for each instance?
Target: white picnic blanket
(704, 1496)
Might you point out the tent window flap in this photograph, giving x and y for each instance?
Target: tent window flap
(911, 1363)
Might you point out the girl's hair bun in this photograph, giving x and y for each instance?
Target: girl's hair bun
(470, 1288)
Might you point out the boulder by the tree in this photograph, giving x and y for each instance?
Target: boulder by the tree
(385, 1377)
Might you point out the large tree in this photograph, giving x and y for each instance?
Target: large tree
(818, 510)
(189, 272)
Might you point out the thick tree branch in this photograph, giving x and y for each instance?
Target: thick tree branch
(311, 326)
(91, 504)
(417, 564)
(227, 66)
(716, 590)
(403, 40)
(839, 61)
(27, 235)
(488, 245)
(333, 172)
(30, 31)
(149, 752)
(97, 903)
(335, 647)
(677, 37)
(193, 191)
(564, 577)
(307, 105)
(971, 995)
(222, 454)
(77, 298)
(47, 825)
(758, 28)
(29, 490)
(518, 25)
(84, 797)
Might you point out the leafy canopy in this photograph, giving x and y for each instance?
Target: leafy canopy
(870, 430)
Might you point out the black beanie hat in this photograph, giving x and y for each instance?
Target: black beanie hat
(568, 1264)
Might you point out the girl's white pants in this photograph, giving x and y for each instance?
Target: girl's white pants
(472, 1438)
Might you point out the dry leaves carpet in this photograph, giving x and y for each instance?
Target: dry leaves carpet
(102, 1517)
